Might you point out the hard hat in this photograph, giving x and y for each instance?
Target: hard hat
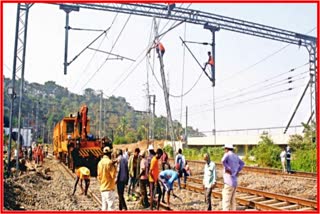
(106, 149)
(228, 146)
(85, 171)
(150, 147)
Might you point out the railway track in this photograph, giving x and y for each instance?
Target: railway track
(95, 195)
(83, 200)
(197, 167)
(259, 200)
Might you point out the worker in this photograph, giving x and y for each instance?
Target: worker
(153, 179)
(232, 165)
(83, 173)
(167, 178)
(209, 62)
(159, 48)
(107, 173)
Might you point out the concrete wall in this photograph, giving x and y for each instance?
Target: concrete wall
(279, 139)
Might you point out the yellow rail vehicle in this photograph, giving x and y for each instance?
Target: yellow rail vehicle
(72, 132)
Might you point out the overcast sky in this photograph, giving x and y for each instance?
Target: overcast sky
(248, 69)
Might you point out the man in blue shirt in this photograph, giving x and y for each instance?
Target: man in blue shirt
(167, 178)
(232, 166)
(122, 179)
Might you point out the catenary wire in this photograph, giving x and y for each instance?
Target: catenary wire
(125, 24)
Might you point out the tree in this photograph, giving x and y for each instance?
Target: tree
(122, 128)
(266, 152)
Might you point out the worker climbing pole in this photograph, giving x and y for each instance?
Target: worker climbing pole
(212, 63)
(161, 50)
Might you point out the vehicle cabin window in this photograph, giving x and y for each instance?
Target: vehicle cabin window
(70, 127)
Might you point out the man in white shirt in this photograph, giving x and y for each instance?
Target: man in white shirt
(283, 159)
(209, 179)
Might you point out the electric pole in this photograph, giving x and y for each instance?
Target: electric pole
(186, 130)
(37, 125)
(213, 30)
(67, 9)
(100, 113)
(153, 102)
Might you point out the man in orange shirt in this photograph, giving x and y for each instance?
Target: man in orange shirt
(160, 49)
(153, 178)
(209, 62)
(83, 173)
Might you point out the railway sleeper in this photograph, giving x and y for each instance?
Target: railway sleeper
(291, 207)
(280, 204)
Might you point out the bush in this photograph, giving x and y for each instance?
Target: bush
(304, 156)
(305, 160)
(216, 153)
(131, 137)
(120, 140)
(267, 153)
(169, 150)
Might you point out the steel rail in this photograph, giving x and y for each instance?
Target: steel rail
(195, 163)
(256, 196)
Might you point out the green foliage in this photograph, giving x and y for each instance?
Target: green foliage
(304, 156)
(296, 142)
(267, 153)
(216, 153)
(204, 150)
(191, 154)
(120, 140)
(305, 159)
(142, 132)
(131, 137)
(169, 150)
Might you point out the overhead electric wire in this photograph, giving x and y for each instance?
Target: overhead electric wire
(255, 98)
(104, 32)
(146, 49)
(94, 54)
(262, 88)
(112, 54)
(266, 80)
(260, 82)
(127, 75)
(255, 91)
(262, 60)
(289, 82)
(125, 24)
(248, 100)
(172, 95)
(278, 83)
(130, 71)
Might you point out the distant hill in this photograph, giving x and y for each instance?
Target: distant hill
(50, 102)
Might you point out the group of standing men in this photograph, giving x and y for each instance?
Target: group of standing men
(232, 165)
(129, 169)
(115, 172)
